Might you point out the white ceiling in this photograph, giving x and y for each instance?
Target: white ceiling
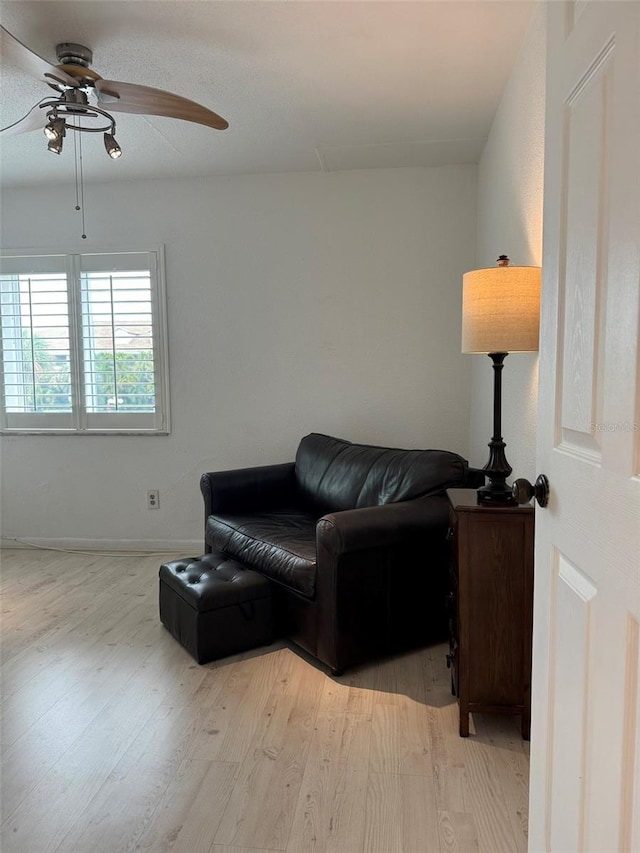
(306, 85)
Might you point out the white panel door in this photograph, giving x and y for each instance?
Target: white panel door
(585, 758)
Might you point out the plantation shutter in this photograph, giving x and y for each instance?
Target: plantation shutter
(84, 343)
(119, 372)
(36, 344)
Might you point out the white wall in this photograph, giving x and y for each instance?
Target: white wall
(325, 302)
(510, 188)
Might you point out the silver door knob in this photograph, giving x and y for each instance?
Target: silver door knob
(523, 491)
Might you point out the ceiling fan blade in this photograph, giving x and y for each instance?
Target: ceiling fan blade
(14, 51)
(131, 98)
(34, 119)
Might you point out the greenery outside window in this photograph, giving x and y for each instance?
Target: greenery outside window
(84, 343)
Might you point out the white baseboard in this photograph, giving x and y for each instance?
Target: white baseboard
(186, 547)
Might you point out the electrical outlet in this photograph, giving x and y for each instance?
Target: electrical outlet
(153, 499)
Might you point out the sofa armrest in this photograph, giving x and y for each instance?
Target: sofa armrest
(248, 488)
(475, 478)
(381, 526)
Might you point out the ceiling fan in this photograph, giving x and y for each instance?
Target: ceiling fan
(85, 101)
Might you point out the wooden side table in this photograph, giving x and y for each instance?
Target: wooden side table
(491, 616)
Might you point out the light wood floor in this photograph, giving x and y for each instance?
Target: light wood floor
(114, 739)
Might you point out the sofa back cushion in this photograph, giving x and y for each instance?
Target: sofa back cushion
(334, 475)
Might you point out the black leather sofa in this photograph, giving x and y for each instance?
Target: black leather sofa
(352, 538)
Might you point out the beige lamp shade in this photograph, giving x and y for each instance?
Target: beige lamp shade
(501, 310)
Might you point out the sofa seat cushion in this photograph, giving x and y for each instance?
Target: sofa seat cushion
(281, 544)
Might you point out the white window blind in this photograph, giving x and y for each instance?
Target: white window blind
(83, 343)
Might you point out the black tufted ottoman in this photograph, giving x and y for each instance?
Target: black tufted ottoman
(214, 607)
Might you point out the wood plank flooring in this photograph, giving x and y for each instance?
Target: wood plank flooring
(114, 740)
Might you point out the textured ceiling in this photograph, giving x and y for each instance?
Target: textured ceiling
(304, 85)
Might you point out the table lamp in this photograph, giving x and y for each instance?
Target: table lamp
(500, 314)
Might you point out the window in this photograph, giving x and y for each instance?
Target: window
(83, 343)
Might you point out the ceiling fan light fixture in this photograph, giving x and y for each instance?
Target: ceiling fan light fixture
(55, 128)
(113, 149)
(55, 145)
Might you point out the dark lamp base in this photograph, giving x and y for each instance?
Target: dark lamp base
(496, 493)
(497, 469)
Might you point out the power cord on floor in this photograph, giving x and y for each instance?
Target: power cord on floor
(90, 553)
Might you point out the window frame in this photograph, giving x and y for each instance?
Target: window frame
(79, 421)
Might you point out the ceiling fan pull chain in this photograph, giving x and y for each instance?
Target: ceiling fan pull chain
(75, 160)
(83, 235)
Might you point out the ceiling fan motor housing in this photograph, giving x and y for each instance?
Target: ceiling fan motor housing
(69, 53)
